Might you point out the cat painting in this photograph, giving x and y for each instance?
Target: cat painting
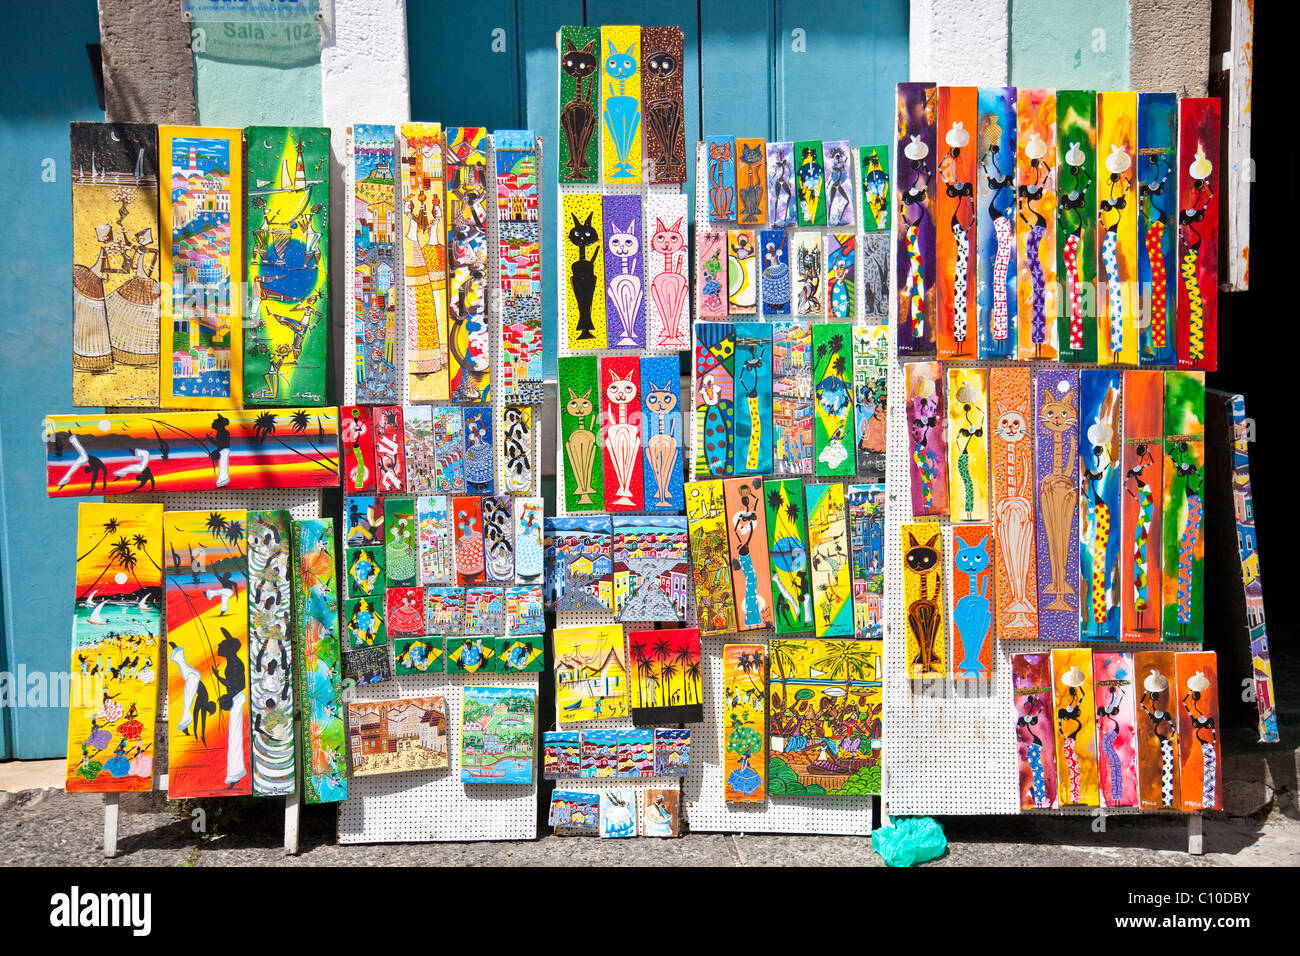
(972, 613)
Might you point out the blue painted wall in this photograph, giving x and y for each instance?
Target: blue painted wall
(48, 84)
(784, 69)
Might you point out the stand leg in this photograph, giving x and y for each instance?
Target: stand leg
(110, 824)
(291, 804)
(1195, 840)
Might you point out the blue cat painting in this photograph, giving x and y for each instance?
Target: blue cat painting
(622, 112)
(971, 614)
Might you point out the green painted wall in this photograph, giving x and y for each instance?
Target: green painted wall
(249, 75)
(1070, 45)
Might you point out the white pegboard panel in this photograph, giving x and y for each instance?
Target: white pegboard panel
(434, 805)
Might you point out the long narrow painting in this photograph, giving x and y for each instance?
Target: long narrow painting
(834, 443)
(621, 426)
(927, 451)
(955, 218)
(1198, 233)
(714, 388)
(469, 370)
(424, 261)
(996, 269)
(1201, 771)
(871, 398)
(662, 63)
(287, 228)
(1183, 604)
(1015, 580)
(584, 306)
(1142, 537)
(787, 545)
(115, 254)
(915, 186)
(316, 616)
(1076, 727)
(1036, 223)
(580, 84)
(792, 397)
(968, 443)
(207, 638)
(202, 335)
(1099, 539)
(1076, 223)
(624, 271)
(116, 624)
(752, 415)
(866, 517)
(1117, 225)
(747, 537)
(715, 603)
(1031, 682)
(620, 104)
(668, 276)
(926, 654)
(1157, 176)
(1156, 734)
(744, 703)
(661, 432)
(579, 421)
(1116, 704)
(1056, 444)
(972, 601)
(372, 299)
(270, 648)
(519, 248)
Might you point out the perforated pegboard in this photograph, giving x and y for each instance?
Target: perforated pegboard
(434, 805)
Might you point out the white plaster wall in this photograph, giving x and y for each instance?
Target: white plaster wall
(364, 74)
(959, 42)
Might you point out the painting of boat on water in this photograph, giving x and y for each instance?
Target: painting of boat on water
(496, 734)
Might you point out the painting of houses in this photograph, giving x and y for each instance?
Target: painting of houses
(651, 565)
(591, 673)
(579, 566)
(497, 734)
(394, 736)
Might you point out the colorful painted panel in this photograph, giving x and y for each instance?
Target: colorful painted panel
(923, 594)
(424, 254)
(666, 677)
(1183, 563)
(742, 272)
(828, 543)
(471, 655)
(469, 369)
(833, 438)
(270, 648)
(365, 621)
(372, 307)
(997, 300)
(617, 813)
(398, 735)
(722, 178)
(968, 451)
(115, 279)
(519, 256)
(1099, 537)
(598, 753)
(915, 186)
(808, 266)
(972, 601)
(116, 623)
(839, 158)
(620, 105)
(559, 754)
(1117, 223)
(358, 448)
(419, 447)
(1076, 728)
(207, 632)
(584, 310)
(751, 182)
(876, 287)
(1201, 771)
(672, 752)
(286, 326)
(524, 614)
(433, 544)
(528, 540)
(316, 616)
(449, 448)
(1056, 440)
(1157, 175)
(841, 272)
(620, 413)
(203, 265)
(710, 262)
(478, 449)
(715, 606)
(418, 655)
(775, 247)
(583, 465)
(928, 452)
(1031, 681)
(624, 273)
(954, 211)
(390, 450)
(792, 398)
(497, 725)
(1198, 234)
(752, 416)
(810, 183)
(190, 451)
(405, 608)
(660, 814)
(485, 611)
(1036, 223)
(1116, 702)
(466, 540)
(661, 416)
(787, 540)
(520, 655)
(1156, 735)
(499, 538)
(747, 538)
(744, 699)
(399, 541)
(367, 666)
(715, 357)
(591, 676)
(825, 717)
(661, 93)
(364, 523)
(1076, 223)
(1142, 539)
(579, 565)
(444, 610)
(873, 172)
(1012, 464)
(866, 516)
(667, 273)
(517, 476)
(580, 57)
(781, 212)
(651, 569)
(870, 398)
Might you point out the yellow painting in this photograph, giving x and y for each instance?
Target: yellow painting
(116, 622)
(202, 335)
(968, 444)
(744, 701)
(590, 673)
(828, 549)
(584, 297)
(706, 516)
(1118, 308)
(1076, 727)
(923, 599)
(620, 104)
(425, 256)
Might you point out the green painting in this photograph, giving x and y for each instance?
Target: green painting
(787, 541)
(580, 59)
(833, 427)
(418, 655)
(1184, 508)
(1076, 224)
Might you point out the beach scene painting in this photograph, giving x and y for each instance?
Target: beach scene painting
(590, 673)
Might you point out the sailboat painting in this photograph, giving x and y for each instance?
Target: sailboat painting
(115, 628)
(115, 279)
(591, 675)
(497, 734)
(286, 249)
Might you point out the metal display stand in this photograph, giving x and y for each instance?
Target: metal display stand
(433, 805)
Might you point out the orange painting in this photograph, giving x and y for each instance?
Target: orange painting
(1201, 771)
(954, 216)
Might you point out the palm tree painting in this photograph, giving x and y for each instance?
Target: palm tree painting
(666, 666)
